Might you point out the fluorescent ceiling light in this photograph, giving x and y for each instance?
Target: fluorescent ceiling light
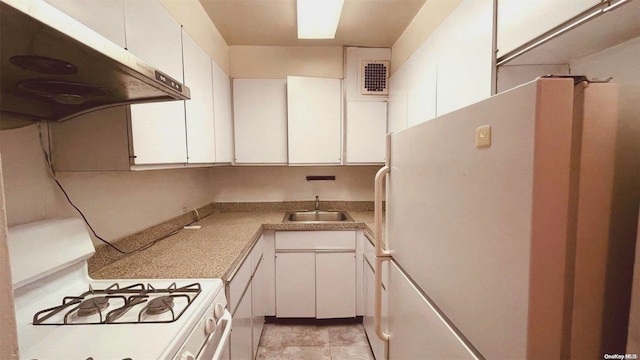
(318, 19)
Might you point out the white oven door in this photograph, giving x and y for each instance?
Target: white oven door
(214, 347)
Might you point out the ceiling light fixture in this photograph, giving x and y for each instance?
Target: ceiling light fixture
(318, 19)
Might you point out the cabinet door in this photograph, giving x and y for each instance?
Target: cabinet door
(257, 288)
(154, 36)
(461, 82)
(222, 115)
(157, 130)
(314, 120)
(335, 284)
(366, 131)
(260, 118)
(106, 17)
(199, 109)
(295, 284)
(241, 335)
(370, 308)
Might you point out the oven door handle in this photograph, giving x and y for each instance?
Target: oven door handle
(224, 325)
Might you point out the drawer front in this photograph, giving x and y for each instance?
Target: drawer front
(315, 240)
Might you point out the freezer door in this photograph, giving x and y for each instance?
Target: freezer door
(417, 331)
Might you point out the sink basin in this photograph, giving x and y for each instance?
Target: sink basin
(317, 216)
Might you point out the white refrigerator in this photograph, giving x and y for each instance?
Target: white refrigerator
(496, 236)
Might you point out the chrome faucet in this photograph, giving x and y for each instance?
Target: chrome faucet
(317, 203)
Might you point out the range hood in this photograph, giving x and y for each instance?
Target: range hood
(55, 68)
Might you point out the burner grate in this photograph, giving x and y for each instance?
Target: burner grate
(93, 303)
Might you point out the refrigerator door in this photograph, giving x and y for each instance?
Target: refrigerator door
(418, 331)
(460, 217)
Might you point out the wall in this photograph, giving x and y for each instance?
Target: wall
(197, 24)
(622, 62)
(430, 16)
(278, 62)
(288, 183)
(116, 203)
(8, 336)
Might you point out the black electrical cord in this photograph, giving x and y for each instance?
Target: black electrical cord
(53, 175)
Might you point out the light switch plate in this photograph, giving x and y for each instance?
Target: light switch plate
(483, 136)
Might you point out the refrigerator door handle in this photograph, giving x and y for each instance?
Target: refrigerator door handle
(378, 315)
(382, 254)
(377, 209)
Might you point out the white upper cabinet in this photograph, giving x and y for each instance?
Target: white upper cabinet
(450, 70)
(222, 115)
(366, 114)
(154, 36)
(260, 118)
(157, 130)
(314, 120)
(154, 135)
(366, 131)
(199, 109)
(521, 21)
(463, 74)
(106, 17)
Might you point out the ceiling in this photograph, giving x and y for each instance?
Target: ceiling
(374, 23)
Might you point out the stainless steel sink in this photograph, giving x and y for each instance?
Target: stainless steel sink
(316, 216)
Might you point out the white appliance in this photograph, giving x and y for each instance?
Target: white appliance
(62, 313)
(496, 236)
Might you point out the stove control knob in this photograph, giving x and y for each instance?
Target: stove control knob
(218, 311)
(187, 355)
(209, 326)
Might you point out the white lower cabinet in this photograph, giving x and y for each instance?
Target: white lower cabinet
(315, 274)
(246, 293)
(295, 284)
(369, 321)
(335, 284)
(377, 345)
(241, 333)
(258, 284)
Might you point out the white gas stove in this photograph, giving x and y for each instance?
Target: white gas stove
(64, 314)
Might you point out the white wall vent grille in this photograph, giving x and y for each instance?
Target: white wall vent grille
(374, 77)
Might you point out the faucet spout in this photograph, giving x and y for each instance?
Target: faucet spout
(317, 203)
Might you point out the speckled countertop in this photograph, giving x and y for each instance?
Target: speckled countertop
(214, 250)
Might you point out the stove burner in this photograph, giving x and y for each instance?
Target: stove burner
(160, 305)
(92, 306)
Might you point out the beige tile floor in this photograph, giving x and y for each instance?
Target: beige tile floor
(314, 342)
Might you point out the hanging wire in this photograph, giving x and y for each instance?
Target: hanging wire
(53, 176)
